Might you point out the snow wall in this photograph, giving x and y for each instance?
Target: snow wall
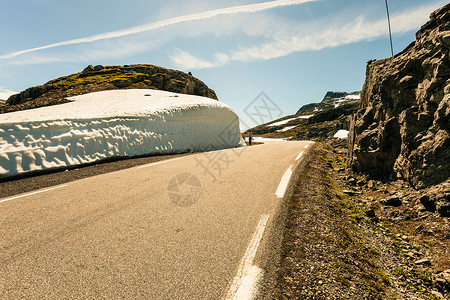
(110, 124)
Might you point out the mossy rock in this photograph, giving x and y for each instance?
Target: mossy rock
(100, 78)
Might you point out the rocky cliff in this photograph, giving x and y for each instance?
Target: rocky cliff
(402, 125)
(99, 78)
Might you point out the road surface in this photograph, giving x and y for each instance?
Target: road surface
(186, 228)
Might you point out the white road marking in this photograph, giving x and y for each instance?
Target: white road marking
(284, 182)
(33, 193)
(299, 156)
(159, 162)
(244, 283)
(306, 146)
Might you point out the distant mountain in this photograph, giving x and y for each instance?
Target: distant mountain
(331, 100)
(314, 121)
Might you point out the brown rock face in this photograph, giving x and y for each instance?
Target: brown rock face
(402, 125)
(99, 78)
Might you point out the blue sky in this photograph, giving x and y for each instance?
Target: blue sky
(292, 50)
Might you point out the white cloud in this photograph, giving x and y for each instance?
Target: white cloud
(116, 50)
(251, 8)
(287, 39)
(188, 61)
(5, 93)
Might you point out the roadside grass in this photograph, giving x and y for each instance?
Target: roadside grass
(342, 248)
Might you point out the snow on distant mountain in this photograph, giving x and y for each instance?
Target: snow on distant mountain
(115, 123)
(327, 119)
(278, 123)
(331, 100)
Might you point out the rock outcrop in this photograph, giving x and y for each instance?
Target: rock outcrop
(99, 78)
(402, 125)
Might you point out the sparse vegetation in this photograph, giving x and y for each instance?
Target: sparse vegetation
(368, 255)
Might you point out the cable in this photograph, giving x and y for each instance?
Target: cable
(389, 23)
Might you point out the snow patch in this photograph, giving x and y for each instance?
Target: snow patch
(281, 122)
(117, 123)
(341, 134)
(286, 128)
(338, 102)
(353, 97)
(288, 120)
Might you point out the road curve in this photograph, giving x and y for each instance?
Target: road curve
(187, 228)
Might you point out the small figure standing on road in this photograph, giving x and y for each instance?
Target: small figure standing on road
(249, 138)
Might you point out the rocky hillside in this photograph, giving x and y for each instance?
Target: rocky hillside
(99, 78)
(315, 121)
(402, 125)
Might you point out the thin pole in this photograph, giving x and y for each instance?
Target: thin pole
(389, 23)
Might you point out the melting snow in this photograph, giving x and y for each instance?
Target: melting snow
(288, 120)
(281, 122)
(286, 128)
(353, 97)
(111, 124)
(341, 134)
(338, 102)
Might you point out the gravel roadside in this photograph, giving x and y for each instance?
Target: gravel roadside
(338, 243)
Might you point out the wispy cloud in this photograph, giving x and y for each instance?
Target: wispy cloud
(288, 39)
(117, 50)
(251, 8)
(5, 93)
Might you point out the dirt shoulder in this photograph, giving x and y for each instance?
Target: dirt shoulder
(339, 244)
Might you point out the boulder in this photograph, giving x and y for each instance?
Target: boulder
(89, 68)
(98, 68)
(392, 201)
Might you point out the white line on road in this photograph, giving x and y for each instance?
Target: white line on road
(244, 283)
(306, 146)
(159, 162)
(284, 182)
(299, 156)
(33, 193)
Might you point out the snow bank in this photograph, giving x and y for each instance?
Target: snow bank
(116, 123)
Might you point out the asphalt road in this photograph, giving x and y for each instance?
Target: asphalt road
(185, 228)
